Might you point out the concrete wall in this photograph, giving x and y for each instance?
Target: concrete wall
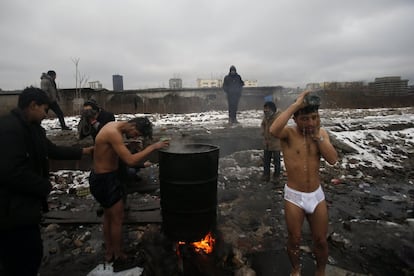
(206, 99)
(7, 102)
(155, 100)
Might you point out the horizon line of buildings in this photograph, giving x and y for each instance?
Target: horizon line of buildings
(390, 85)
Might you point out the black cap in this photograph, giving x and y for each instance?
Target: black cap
(92, 103)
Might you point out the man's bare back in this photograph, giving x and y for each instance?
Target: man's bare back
(105, 157)
(109, 146)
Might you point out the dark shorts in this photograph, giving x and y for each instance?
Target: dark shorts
(106, 188)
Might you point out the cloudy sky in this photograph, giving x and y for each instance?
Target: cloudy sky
(276, 42)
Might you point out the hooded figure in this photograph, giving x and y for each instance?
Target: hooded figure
(48, 84)
(232, 86)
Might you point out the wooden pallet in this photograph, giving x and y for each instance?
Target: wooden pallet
(139, 213)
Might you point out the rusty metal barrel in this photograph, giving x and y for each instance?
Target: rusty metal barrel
(188, 186)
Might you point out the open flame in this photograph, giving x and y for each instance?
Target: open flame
(205, 245)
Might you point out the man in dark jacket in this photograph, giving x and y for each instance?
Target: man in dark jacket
(232, 86)
(48, 84)
(25, 185)
(93, 118)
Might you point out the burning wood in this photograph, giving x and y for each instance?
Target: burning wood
(205, 245)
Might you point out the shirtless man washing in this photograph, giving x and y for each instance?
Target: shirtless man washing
(303, 145)
(105, 185)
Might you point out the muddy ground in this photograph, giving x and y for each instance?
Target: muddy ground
(371, 219)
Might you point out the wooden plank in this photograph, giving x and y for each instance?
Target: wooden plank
(83, 217)
(143, 206)
(142, 187)
(143, 217)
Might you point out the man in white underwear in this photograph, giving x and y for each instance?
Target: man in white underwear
(303, 145)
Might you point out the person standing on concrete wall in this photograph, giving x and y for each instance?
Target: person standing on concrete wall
(232, 86)
(48, 84)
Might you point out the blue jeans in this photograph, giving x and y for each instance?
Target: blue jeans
(267, 159)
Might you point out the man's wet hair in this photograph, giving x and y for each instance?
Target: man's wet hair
(270, 105)
(30, 94)
(306, 110)
(143, 125)
(313, 101)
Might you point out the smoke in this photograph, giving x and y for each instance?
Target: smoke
(186, 147)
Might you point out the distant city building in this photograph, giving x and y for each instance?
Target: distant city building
(217, 83)
(176, 83)
(118, 82)
(388, 86)
(95, 85)
(313, 86)
(334, 85)
(250, 83)
(204, 83)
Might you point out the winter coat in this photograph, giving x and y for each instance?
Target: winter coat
(85, 128)
(48, 85)
(270, 142)
(233, 84)
(24, 169)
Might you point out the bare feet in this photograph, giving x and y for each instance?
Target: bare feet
(295, 272)
(121, 263)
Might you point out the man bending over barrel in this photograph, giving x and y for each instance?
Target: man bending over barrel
(105, 185)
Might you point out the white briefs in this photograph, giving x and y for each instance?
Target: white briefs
(305, 201)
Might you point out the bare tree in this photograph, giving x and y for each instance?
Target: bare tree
(80, 81)
(76, 62)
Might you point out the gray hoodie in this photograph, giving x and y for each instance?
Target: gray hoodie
(48, 85)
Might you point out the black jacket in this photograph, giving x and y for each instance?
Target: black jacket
(85, 129)
(24, 169)
(233, 84)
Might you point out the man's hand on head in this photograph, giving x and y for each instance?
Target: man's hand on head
(300, 100)
(89, 114)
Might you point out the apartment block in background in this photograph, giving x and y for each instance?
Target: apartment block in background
(118, 82)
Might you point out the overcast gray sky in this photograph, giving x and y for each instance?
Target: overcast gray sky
(276, 42)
